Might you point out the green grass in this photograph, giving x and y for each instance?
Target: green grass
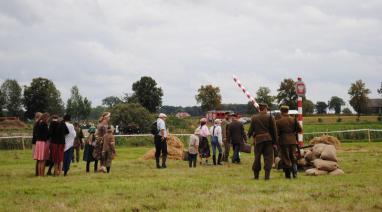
(135, 185)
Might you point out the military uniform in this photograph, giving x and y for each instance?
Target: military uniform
(288, 128)
(263, 129)
(226, 143)
(235, 136)
(108, 150)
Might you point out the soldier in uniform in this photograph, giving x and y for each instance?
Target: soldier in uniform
(263, 129)
(227, 145)
(288, 128)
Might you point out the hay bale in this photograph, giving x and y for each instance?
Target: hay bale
(318, 149)
(337, 172)
(326, 139)
(315, 172)
(325, 165)
(174, 150)
(329, 153)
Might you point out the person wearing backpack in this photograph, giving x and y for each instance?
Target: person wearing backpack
(263, 129)
(216, 141)
(160, 136)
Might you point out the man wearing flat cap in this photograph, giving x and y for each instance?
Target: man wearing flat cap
(288, 128)
(263, 129)
(160, 141)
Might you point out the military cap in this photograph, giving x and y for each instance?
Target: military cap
(284, 107)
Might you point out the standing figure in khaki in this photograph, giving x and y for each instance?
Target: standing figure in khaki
(108, 150)
(288, 128)
(227, 145)
(101, 131)
(263, 129)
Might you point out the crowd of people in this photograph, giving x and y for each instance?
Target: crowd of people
(56, 142)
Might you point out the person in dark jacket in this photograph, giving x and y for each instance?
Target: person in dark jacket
(41, 153)
(236, 136)
(263, 129)
(288, 128)
(37, 117)
(57, 133)
(88, 150)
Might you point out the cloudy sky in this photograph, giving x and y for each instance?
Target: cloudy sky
(104, 46)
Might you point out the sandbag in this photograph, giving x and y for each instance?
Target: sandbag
(318, 149)
(337, 172)
(309, 156)
(329, 153)
(302, 162)
(325, 165)
(315, 172)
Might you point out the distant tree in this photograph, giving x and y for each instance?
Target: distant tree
(147, 93)
(209, 97)
(77, 106)
(12, 97)
(346, 111)
(263, 96)
(42, 96)
(2, 103)
(96, 112)
(321, 107)
(336, 103)
(359, 96)
(380, 90)
(110, 101)
(251, 108)
(307, 106)
(287, 94)
(131, 114)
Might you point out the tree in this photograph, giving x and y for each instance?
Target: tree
(307, 106)
(251, 108)
(42, 96)
(263, 96)
(346, 111)
(379, 91)
(77, 106)
(287, 94)
(126, 114)
(110, 101)
(209, 97)
(147, 93)
(359, 96)
(96, 112)
(321, 107)
(2, 103)
(336, 103)
(11, 94)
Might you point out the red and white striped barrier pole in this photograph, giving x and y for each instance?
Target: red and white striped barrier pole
(300, 90)
(249, 96)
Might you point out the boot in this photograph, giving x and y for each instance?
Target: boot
(294, 170)
(164, 161)
(157, 162)
(267, 174)
(287, 173)
(256, 174)
(214, 159)
(220, 159)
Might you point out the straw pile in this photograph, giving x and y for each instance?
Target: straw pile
(326, 139)
(174, 149)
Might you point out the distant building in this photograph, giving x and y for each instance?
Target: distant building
(216, 114)
(182, 115)
(374, 106)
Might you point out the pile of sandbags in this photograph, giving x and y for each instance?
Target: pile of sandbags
(174, 149)
(321, 159)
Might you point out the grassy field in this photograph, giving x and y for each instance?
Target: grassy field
(134, 185)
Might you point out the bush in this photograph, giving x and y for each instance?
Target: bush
(125, 115)
(320, 120)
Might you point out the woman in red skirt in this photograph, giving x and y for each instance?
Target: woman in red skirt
(41, 153)
(57, 132)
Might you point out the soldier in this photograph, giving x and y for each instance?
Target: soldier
(287, 129)
(226, 143)
(236, 136)
(263, 129)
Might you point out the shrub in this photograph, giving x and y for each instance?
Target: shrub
(320, 120)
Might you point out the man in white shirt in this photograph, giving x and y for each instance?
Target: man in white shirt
(216, 141)
(160, 141)
(69, 141)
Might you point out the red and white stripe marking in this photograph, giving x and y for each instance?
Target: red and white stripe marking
(300, 121)
(249, 96)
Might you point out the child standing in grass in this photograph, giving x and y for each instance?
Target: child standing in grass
(108, 150)
(193, 148)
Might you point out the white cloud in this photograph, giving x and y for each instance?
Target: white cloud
(104, 46)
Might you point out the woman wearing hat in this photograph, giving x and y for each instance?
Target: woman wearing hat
(101, 131)
(204, 147)
(88, 150)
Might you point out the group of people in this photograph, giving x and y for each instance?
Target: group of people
(271, 137)
(55, 140)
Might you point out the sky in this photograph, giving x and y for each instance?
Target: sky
(105, 46)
